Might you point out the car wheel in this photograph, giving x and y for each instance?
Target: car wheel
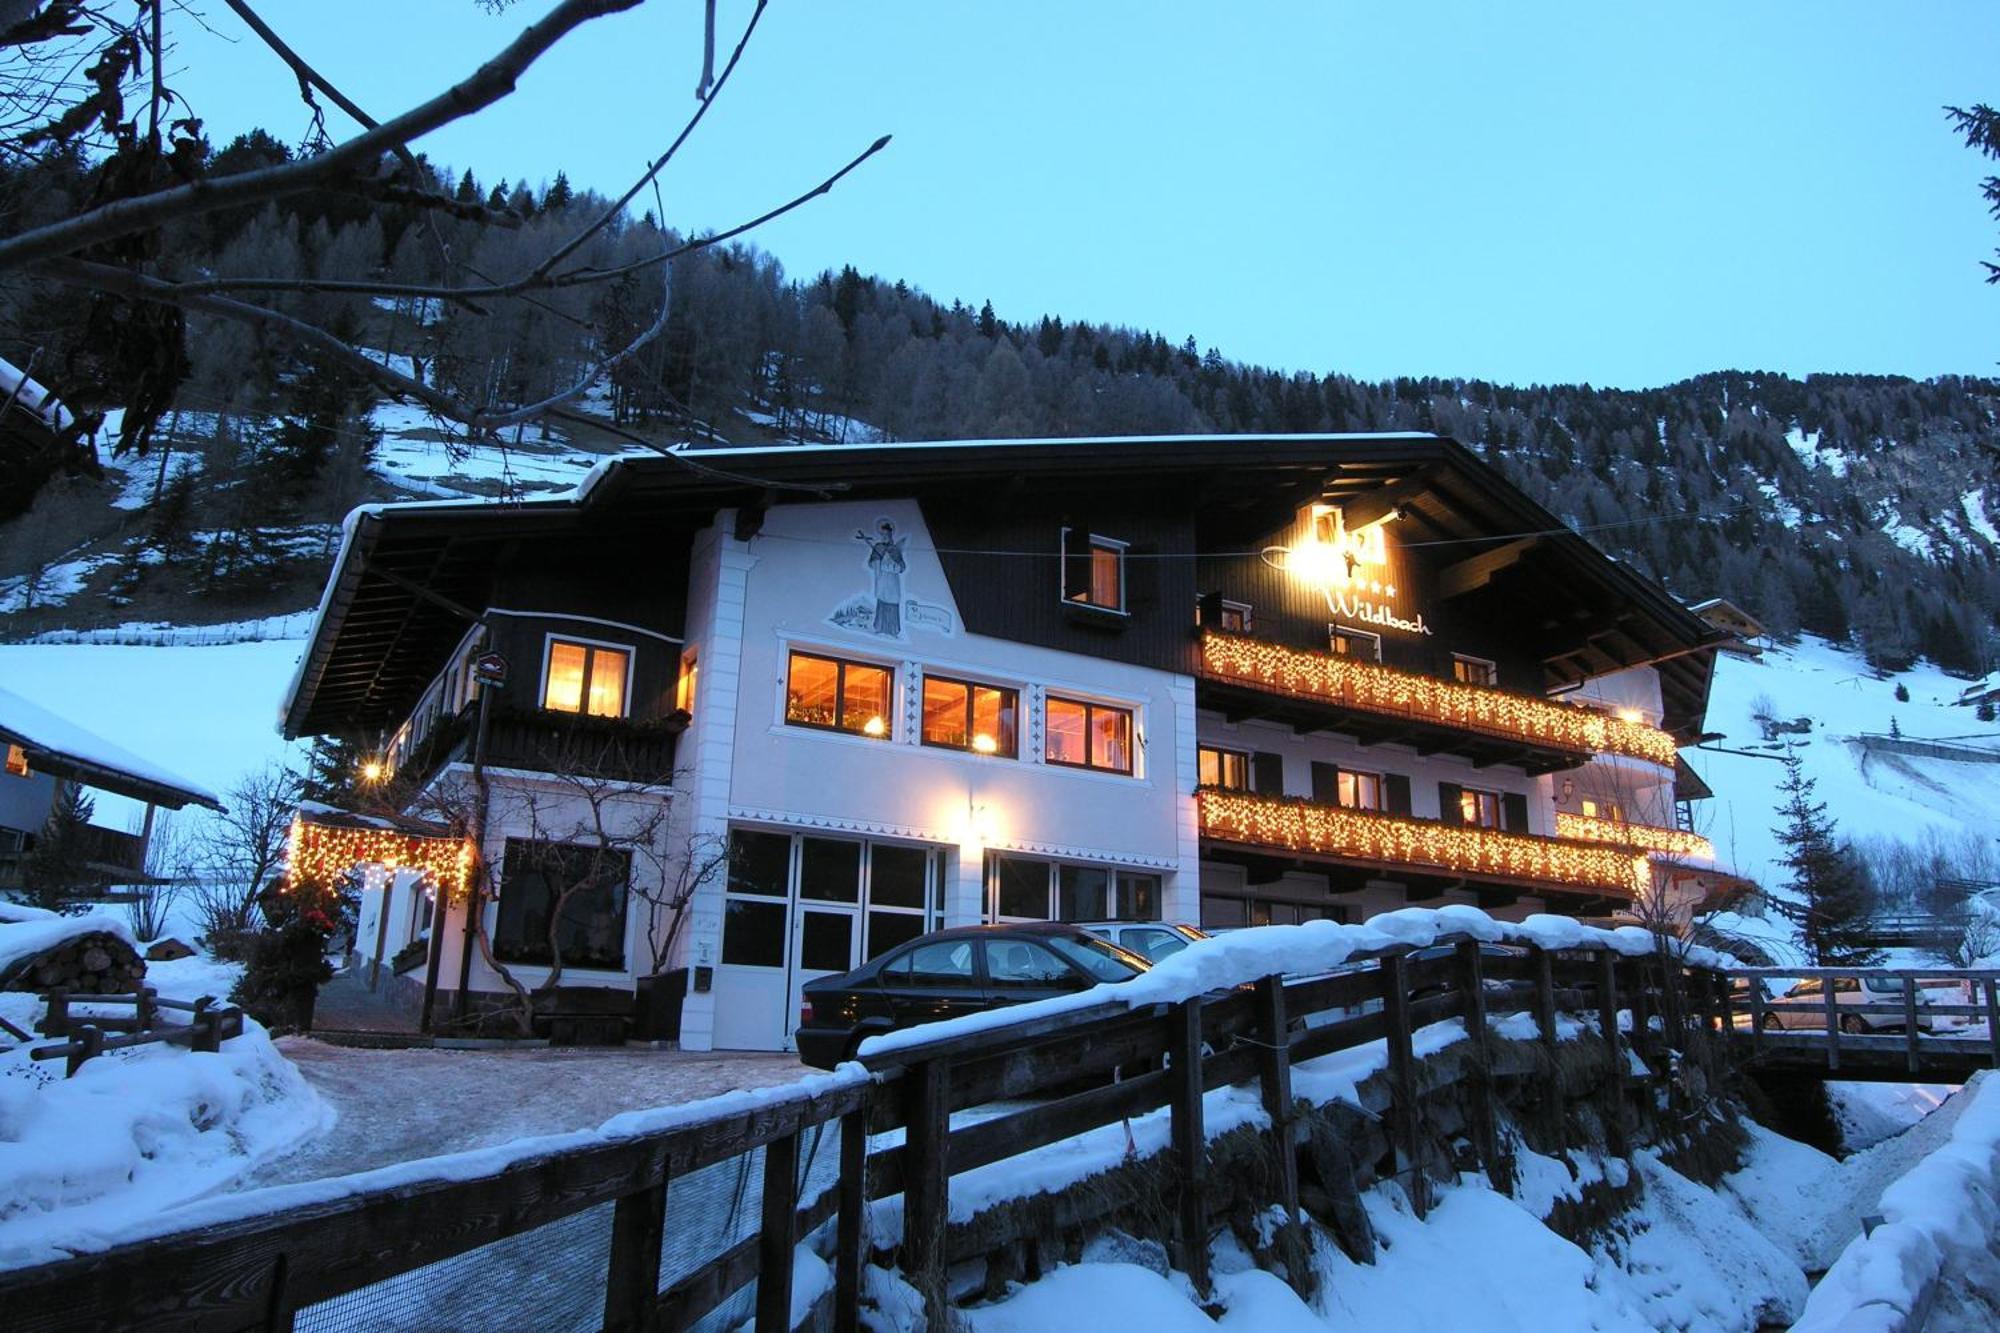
(1854, 1024)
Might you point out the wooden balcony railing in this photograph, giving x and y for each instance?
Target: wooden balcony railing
(1393, 841)
(547, 742)
(1647, 837)
(1371, 688)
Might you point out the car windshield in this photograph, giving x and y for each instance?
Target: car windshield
(1103, 960)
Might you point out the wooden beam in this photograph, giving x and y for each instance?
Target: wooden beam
(1373, 506)
(1475, 572)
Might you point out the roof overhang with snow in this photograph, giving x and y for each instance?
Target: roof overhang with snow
(378, 641)
(58, 747)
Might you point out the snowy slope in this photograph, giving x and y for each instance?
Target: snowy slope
(1867, 795)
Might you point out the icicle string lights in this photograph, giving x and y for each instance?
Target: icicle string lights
(1672, 841)
(317, 855)
(1302, 826)
(1371, 687)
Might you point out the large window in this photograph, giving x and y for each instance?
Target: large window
(1087, 735)
(581, 888)
(1360, 791)
(1481, 808)
(1227, 769)
(1347, 642)
(960, 715)
(1093, 570)
(586, 678)
(838, 695)
(1021, 888)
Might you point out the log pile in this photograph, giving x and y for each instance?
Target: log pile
(97, 963)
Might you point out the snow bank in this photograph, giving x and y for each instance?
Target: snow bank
(1244, 956)
(1942, 1217)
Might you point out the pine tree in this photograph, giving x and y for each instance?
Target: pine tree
(558, 196)
(1833, 897)
(58, 870)
(1985, 711)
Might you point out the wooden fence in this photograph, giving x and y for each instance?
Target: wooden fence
(208, 1025)
(1870, 1022)
(259, 1273)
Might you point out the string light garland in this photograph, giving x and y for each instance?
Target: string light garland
(1374, 688)
(317, 855)
(1650, 837)
(1304, 826)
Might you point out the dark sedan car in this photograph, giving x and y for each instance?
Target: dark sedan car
(946, 973)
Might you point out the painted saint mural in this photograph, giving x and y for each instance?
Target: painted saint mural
(884, 609)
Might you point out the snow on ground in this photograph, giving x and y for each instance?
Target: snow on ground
(413, 456)
(209, 713)
(1867, 795)
(1871, 1112)
(1974, 504)
(137, 1130)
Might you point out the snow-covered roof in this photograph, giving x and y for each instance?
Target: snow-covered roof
(58, 746)
(32, 397)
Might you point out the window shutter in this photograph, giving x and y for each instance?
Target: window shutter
(1267, 774)
(1326, 783)
(1449, 811)
(1076, 561)
(1514, 812)
(1396, 793)
(1208, 610)
(1140, 569)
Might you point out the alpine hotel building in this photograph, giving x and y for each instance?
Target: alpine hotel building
(1225, 680)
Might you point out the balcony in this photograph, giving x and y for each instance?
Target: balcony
(1249, 677)
(1672, 842)
(1393, 842)
(540, 741)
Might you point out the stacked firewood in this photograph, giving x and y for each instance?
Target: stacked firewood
(98, 963)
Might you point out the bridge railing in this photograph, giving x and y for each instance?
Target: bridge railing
(691, 1215)
(1868, 1019)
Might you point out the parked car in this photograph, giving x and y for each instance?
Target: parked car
(1803, 1007)
(1151, 940)
(1489, 952)
(949, 973)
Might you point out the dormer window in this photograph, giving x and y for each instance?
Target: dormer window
(1093, 570)
(584, 677)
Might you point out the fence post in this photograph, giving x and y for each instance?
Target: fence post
(776, 1241)
(847, 1230)
(1277, 1079)
(204, 1037)
(1993, 1019)
(1830, 1001)
(1756, 1015)
(55, 1022)
(927, 1181)
(1190, 1138)
(85, 1042)
(1725, 1003)
(143, 1011)
(1614, 1060)
(1403, 1081)
(1910, 1023)
(1545, 996)
(1485, 1123)
(632, 1282)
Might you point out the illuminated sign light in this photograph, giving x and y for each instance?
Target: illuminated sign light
(1302, 826)
(318, 855)
(1349, 682)
(1349, 566)
(1650, 837)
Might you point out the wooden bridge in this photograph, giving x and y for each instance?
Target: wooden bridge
(587, 1234)
(1883, 1024)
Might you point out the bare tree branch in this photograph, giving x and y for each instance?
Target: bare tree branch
(488, 84)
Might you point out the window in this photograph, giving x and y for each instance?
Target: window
(1085, 735)
(1603, 810)
(1220, 613)
(1083, 893)
(1025, 965)
(1093, 571)
(1360, 791)
(684, 687)
(17, 761)
(585, 678)
(1154, 942)
(959, 715)
(1227, 769)
(943, 963)
(1473, 671)
(585, 884)
(898, 888)
(837, 695)
(1355, 643)
(1479, 807)
(1020, 888)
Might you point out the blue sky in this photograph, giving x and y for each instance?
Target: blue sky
(1611, 193)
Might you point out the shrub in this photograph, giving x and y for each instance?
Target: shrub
(284, 969)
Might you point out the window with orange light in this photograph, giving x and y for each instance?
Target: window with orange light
(1089, 735)
(17, 761)
(1480, 808)
(1227, 769)
(959, 715)
(585, 678)
(1473, 670)
(838, 695)
(1093, 570)
(684, 687)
